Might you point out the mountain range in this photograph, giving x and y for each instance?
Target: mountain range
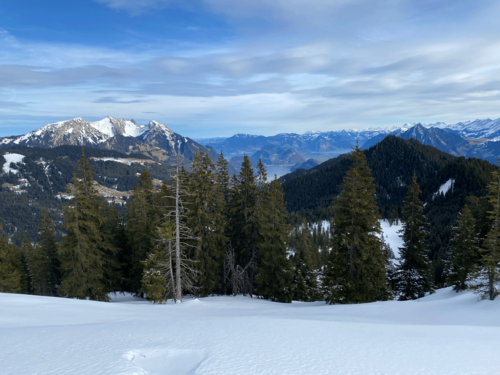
(291, 151)
(154, 139)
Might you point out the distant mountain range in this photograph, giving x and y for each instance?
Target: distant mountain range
(154, 139)
(478, 138)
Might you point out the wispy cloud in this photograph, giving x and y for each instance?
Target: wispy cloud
(318, 64)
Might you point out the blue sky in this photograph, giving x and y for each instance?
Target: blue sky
(218, 67)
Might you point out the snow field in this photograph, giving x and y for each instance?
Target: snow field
(392, 236)
(11, 158)
(445, 333)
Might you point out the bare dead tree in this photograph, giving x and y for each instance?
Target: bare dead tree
(236, 276)
(176, 237)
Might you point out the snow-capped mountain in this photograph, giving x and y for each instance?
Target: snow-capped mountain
(154, 139)
(486, 128)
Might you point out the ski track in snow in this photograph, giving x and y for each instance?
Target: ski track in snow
(445, 333)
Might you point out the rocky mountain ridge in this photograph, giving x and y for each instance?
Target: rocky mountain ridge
(154, 139)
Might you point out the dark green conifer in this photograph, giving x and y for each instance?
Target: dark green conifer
(84, 252)
(464, 253)
(355, 271)
(274, 275)
(141, 217)
(48, 245)
(243, 219)
(38, 265)
(413, 273)
(305, 285)
(487, 278)
(11, 278)
(207, 222)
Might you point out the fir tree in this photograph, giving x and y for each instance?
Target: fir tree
(207, 222)
(305, 285)
(10, 268)
(487, 279)
(275, 275)
(84, 252)
(48, 246)
(243, 219)
(154, 279)
(464, 253)
(413, 274)
(38, 264)
(355, 271)
(140, 229)
(223, 178)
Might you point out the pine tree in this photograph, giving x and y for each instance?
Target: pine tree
(140, 229)
(243, 219)
(10, 268)
(413, 274)
(207, 222)
(84, 252)
(48, 246)
(487, 279)
(38, 264)
(156, 279)
(274, 275)
(464, 253)
(223, 178)
(305, 284)
(355, 271)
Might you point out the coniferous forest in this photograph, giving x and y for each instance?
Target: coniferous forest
(208, 232)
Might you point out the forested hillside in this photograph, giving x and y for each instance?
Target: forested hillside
(41, 178)
(310, 193)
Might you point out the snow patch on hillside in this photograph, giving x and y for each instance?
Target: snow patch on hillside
(444, 188)
(391, 235)
(11, 158)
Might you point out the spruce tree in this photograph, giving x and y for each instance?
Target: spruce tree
(223, 179)
(487, 278)
(355, 271)
(48, 246)
(141, 218)
(10, 268)
(274, 275)
(413, 273)
(464, 253)
(305, 285)
(243, 219)
(38, 264)
(84, 252)
(207, 221)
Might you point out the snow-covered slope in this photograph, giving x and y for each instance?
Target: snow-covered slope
(154, 139)
(485, 128)
(445, 333)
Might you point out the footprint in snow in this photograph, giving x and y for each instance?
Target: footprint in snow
(166, 361)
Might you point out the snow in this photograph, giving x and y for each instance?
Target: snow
(445, 333)
(11, 158)
(444, 188)
(391, 235)
(133, 130)
(118, 160)
(105, 126)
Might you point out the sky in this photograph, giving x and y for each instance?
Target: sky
(211, 68)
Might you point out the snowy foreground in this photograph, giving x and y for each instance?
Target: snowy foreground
(444, 333)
